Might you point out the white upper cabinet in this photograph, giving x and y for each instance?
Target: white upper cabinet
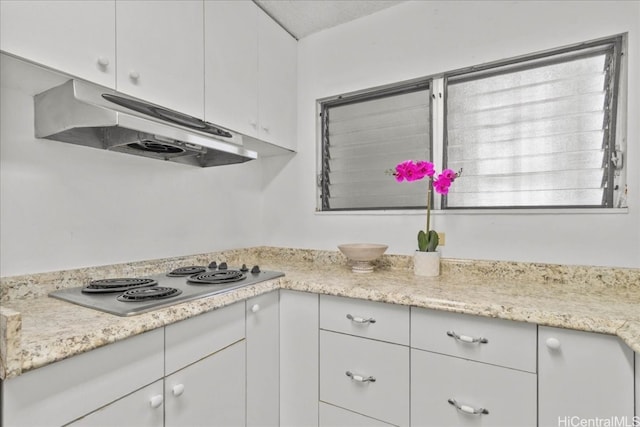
(161, 52)
(250, 73)
(231, 65)
(277, 65)
(76, 37)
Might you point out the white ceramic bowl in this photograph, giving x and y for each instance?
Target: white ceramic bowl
(361, 255)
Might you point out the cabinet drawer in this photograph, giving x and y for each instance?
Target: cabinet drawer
(376, 320)
(192, 339)
(63, 391)
(332, 416)
(504, 342)
(438, 382)
(385, 397)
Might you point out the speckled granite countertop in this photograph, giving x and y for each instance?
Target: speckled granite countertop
(36, 330)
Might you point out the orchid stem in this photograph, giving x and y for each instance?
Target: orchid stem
(429, 205)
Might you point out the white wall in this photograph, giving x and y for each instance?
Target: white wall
(64, 206)
(422, 38)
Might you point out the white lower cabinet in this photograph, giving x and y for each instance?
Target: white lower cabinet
(449, 391)
(143, 408)
(583, 377)
(210, 392)
(298, 359)
(365, 376)
(263, 363)
(332, 416)
(65, 391)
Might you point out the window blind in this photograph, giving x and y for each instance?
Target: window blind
(367, 135)
(533, 134)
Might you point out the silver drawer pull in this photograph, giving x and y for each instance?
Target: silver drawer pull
(361, 319)
(466, 338)
(468, 409)
(360, 378)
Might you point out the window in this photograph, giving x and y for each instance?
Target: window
(535, 133)
(365, 135)
(532, 132)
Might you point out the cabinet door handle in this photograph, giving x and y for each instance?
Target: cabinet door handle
(103, 61)
(134, 75)
(468, 409)
(360, 378)
(255, 308)
(553, 343)
(361, 320)
(467, 339)
(156, 401)
(177, 390)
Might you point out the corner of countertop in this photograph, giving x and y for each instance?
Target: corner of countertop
(10, 354)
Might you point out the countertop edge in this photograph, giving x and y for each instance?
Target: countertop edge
(16, 359)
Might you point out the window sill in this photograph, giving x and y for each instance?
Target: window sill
(550, 211)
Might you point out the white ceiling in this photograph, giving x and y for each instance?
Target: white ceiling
(303, 17)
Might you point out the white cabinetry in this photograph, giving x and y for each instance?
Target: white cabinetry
(250, 73)
(332, 416)
(76, 37)
(449, 391)
(205, 367)
(470, 370)
(367, 319)
(209, 392)
(160, 52)
(231, 65)
(366, 372)
(583, 376)
(298, 359)
(263, 363)
(64, 391)
(365, 376)
(278, 68)
(142, 408)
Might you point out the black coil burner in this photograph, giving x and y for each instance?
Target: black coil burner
(145, 294)
(187, 271)
(216, 277)
(117, 285)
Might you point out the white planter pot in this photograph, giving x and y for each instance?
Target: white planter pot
(426, 264)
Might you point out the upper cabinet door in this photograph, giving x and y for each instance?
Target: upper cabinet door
(76, 37)
(231, 65)
(161, 52)
(277, 62)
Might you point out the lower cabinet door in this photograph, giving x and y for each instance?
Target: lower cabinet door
(210, 392)
(263, 364)
(365, 376)
(143, 408)
(332, 416)
(448, 391)
(584, 378)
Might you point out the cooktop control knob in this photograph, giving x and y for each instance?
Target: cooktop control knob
(213, 266)
(255, 269)
(222, 266)
(244, 268)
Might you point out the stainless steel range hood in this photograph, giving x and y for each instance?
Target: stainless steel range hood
(85, 114)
